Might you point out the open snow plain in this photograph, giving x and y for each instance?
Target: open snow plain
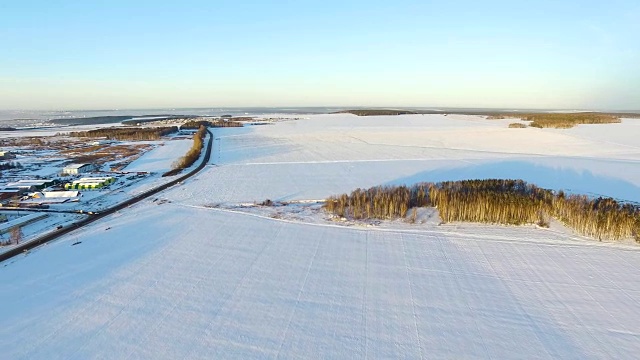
(176, 278)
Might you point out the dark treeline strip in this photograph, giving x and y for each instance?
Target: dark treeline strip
(496, 201)
(10, 165)
(137, 121)
(491, 114)
(565, 121)
(561, 120)
(376, 112)
(192, 155)
(212, 123)
(128, 133)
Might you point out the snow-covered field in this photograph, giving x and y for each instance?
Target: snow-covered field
(162, 157)
(330, 154)
(175, 278)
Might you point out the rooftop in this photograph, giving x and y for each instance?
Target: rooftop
(75, 166)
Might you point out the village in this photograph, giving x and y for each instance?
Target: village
(49, 182)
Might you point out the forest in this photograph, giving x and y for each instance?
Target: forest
(495, 201)
(218, 123)
(559, 120)
(128, 133)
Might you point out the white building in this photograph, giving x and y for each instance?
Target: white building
(74, 169)
(4, 155)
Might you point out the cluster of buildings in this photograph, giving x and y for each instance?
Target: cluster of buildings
(37, 192)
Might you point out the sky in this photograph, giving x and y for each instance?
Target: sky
(560, 54)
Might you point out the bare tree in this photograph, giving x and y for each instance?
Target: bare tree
(16, 235)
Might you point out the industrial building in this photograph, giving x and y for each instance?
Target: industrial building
(89, 183)
(74, 169)
(29, 185)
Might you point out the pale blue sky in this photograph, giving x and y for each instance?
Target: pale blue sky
(144, 54)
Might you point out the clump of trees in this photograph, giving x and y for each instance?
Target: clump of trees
(517, 125)
(601, 218)
(15, 237)
(128, 133)
(497, 201)
(192, 155)
(512, 202)
(565, 121)
(560, 120)
(195, 124)
(10, 165)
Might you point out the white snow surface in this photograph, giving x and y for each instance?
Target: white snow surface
(162, 157)
(175, 279)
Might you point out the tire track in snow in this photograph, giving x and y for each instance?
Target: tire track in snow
(90, 307)
(239, 284)
(568, 240)
(295, 308)
(413, 301)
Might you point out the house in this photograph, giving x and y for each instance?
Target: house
(36, 184)
(51, 197)
(74, 169)
(100, 142)
(28, 185)
(55, 194)
(6, 155)
(8, 193)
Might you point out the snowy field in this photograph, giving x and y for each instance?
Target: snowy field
(176, 279)
(331, 154)
(162, 157)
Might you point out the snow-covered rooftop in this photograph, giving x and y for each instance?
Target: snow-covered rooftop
(76, 166)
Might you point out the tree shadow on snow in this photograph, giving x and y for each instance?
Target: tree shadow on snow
(549, 177)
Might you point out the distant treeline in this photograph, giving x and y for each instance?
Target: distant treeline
(10, 165)
(496, 201)
(108, 119)
(561, 120)
(376, 112)
(192, 155)
(128, 133)
(210, 123)
(565, 121)
(575, 118)
(137, 121)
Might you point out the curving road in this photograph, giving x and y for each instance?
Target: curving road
(96, 216)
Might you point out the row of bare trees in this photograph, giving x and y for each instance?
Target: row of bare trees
(194, 152)
(497, 201)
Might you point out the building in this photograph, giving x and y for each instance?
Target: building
(31, 184)
(51, 197)
(8, 193)
(6, 155)
(89, 183)
(74, 169)
(55, 194)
